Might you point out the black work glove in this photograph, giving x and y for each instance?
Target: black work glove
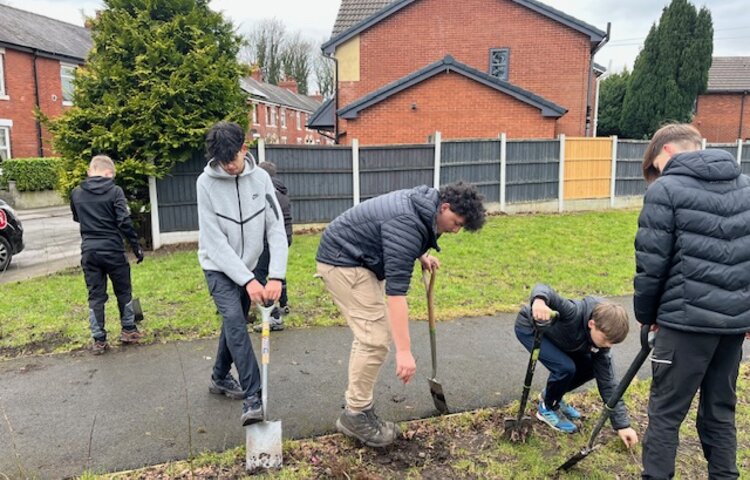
(138, 252)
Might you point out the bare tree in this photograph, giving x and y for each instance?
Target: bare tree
(265, 45)
(324, 75)
(296, 62)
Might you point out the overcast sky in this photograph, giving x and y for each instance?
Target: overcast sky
(631, 20)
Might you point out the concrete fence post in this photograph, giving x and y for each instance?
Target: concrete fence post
(561, 175)
(739, 151)
(355, 172)
(613, 186)
(438, 160)
(261, 150)
(154, 200)
(503, 169)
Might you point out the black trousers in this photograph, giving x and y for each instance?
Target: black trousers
(683, 362)
(97, 266)
(233, 304)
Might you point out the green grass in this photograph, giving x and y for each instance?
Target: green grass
(481, 274)
(471, 446)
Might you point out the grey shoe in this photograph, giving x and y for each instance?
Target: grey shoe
(366, 427)
(276, 324)
(227, 386)
(252, 410)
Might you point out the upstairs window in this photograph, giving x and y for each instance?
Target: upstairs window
(299, 121)
(499, 58)
(3, 94)
(255, 113)
(283, 118)
(67, 75)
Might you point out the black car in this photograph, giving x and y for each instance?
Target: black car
(11, 235)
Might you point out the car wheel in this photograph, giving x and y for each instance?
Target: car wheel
(6, 253)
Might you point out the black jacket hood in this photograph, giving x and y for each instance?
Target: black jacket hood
(98, 185)
(710, 165)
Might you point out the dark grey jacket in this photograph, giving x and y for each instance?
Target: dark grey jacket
(693, 246)
(570, 333)
(385, 234)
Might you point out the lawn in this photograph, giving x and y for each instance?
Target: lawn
(471, 446)
(481, 274)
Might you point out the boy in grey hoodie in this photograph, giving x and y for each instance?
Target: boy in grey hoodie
(237, 206)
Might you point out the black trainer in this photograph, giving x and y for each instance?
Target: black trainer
(252, 410)
(227, 386)
(366, 427)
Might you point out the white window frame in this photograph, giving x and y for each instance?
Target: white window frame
(255, 113)
(270, 116)
(3, 91)
(72, 76)
(282, 117)
(5, 132)
(299, 121)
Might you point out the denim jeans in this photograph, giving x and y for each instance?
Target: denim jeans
(233, 304)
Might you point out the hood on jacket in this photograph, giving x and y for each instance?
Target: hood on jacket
(710, 165)
(98, 185)
(426, 202)
(279, 186)
(213, 169)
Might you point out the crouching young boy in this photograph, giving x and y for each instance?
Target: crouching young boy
(575, 349)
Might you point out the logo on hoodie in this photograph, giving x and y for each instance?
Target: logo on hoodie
(255, 195)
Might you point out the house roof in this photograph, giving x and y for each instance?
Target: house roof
(729, 74)
(323, 118)
(356, 16)
(265, 92)
(449, 64)
(26, 30)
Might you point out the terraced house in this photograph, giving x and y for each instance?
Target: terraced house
(470, 69)
(38, 58)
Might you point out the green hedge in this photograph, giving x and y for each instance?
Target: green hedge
(31, 174)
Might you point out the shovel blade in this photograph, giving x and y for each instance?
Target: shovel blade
(137, 310)
(438, 398)
(263, 441)
(518, 431)
(572, 461)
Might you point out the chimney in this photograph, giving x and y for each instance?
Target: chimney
(289, 84)
(256, 74)
(317, 97)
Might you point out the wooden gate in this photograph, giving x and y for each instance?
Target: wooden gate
(588, 168)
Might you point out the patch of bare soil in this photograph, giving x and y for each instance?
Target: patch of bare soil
(45, 343)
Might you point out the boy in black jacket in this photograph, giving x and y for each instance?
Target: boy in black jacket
(99, 206)
(575, 349)
(261, 270)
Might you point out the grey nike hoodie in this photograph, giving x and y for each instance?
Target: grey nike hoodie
(234, 212)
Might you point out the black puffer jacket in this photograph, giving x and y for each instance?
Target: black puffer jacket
(282, 195)
(571, 334)
(385, 234)
(102, 210)
(693, 246)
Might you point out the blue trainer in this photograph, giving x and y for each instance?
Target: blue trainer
(569, 411)
(554, 420)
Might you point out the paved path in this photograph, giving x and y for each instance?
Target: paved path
(53, 242)
(63, 414)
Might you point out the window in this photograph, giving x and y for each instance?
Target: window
(283, 140)
(255, 113)
(4, 142)
(299, 121)
(67, 74)
(270, 116)
(499, 58)
(283, 118)
(3, 94)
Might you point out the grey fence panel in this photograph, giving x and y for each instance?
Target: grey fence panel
(385, 169)
(745, 163)
(177, 196)
(727, 147)
(532, 170)
(319, 180)
(477, 162)
(629, 175)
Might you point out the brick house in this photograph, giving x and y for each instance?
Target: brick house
(723, 112)
(475, 68)
(280, 114)
(38, 58)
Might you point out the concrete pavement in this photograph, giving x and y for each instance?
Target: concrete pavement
(53, 242)
(61, 415)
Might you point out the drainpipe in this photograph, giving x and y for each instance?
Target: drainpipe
(335, 99)
(742, 114)
(591, 77)
(36, 101)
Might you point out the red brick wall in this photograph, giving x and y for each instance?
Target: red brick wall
(277, 133)
(546, 57)
(479, 112)
(718, 117)
(19, 86)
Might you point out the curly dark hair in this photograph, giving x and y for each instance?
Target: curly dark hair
(465, 201)
(224, 140)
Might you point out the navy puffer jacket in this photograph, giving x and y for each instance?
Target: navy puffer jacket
(385, 234)
(693, 246)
